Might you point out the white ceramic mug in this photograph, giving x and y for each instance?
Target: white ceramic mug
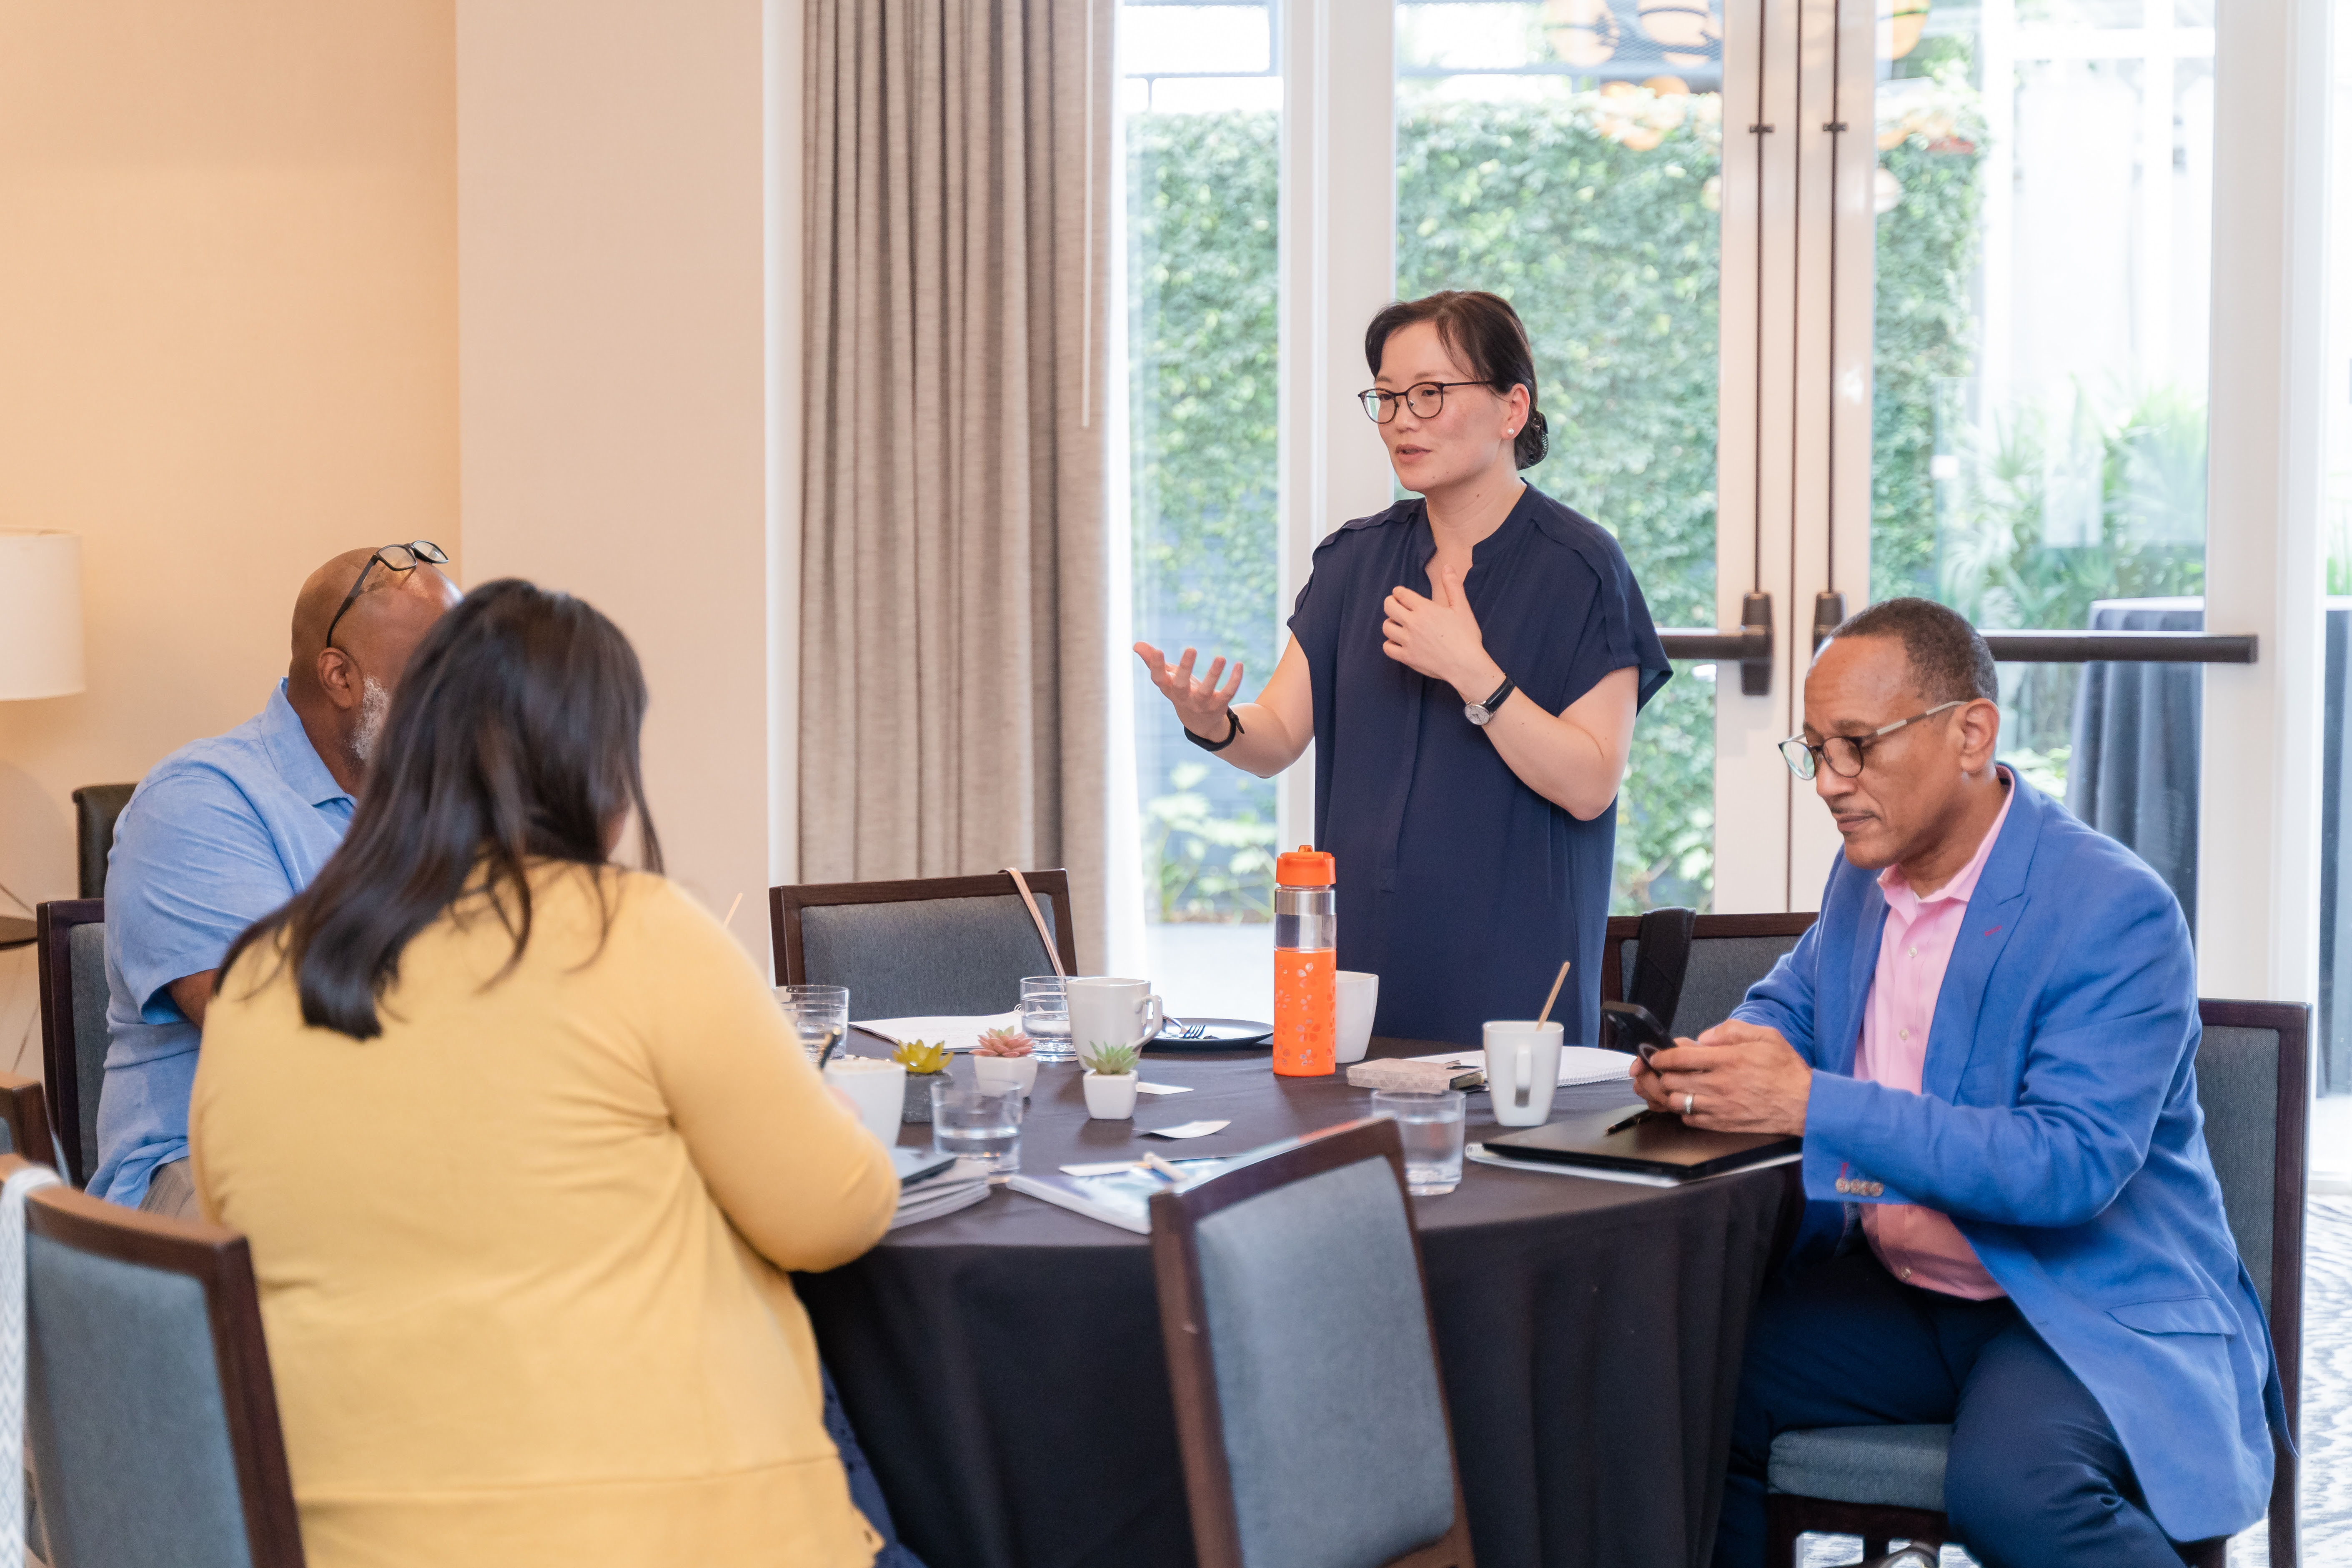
(878, 1089)
(1522, 1070)
(1358, 996)
(1111, 1012)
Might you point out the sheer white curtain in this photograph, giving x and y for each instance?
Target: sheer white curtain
(953, 690)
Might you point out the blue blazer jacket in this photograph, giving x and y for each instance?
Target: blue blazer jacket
(2058, 1126)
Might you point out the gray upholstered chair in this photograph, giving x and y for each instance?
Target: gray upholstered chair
(1728, 955)
(1304, 1362)
(1885, 1483)
(148, 1405)
(95, 808)
(916, 948)
(73, 935)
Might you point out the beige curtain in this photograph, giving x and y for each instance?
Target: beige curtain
(953, 672)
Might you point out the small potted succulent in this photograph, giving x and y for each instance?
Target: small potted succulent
(1110, 1080)
(1002, 1062)
(926, 1064)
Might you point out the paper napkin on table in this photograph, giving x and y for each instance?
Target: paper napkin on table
(1185, 1130)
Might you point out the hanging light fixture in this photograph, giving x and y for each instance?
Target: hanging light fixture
(1900, 24)
(1584, 33)
(1688, 32)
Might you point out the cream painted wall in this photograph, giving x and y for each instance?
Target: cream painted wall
(227, 350)
(614, 213)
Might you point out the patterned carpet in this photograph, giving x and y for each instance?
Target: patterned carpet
(2327, 1411)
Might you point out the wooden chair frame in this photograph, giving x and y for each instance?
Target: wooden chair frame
(1622, 929)
(25, 1113)
(56, 922)
(1788, 1517)
(219, 1261)
(1184, 1330)
(785, 904)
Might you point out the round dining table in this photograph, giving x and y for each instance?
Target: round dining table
(1003, 1367)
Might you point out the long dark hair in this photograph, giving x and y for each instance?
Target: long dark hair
(1486, 334)
(512, 737)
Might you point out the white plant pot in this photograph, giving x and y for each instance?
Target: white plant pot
(997, 1075)
(1110, 1097)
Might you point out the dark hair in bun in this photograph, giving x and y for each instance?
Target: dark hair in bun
(1483, 333)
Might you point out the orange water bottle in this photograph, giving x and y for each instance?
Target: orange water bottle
(1306, 962)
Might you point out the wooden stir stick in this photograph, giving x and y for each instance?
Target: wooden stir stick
(1557, 981)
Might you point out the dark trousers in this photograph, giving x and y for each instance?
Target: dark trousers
(2036, 1473)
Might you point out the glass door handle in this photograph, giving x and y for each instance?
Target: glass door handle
(1750, 645)
(2120, 647)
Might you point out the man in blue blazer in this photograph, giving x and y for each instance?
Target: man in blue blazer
(1989, 1042)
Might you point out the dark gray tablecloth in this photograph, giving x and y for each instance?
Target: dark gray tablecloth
(2134, 775)
(1003, 1365)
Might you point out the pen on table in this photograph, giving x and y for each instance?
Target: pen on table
(1161, 1167)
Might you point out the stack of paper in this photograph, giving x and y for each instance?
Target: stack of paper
(961, 1033)
(1119, 1196)
(1590, 1078)
(939, 1190)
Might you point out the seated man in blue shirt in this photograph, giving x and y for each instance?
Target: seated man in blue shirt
(1989, 1042)
(225, 830)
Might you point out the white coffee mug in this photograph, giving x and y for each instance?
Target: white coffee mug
(1358, 996)
(878, 1089)
(1522, 1070)
(1111, 1012)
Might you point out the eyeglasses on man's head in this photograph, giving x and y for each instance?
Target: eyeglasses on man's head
(1843, 753)
(395, 558)
(1425, 398)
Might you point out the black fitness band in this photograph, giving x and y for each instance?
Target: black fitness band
(1232, 734)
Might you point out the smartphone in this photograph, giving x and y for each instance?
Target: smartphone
(1635, 1028)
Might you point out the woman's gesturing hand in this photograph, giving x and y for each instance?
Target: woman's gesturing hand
(1200, 704)
(1439, 636)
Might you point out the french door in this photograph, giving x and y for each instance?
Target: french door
(1831, 300)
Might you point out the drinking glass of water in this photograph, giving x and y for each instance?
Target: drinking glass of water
(1046, 1018)
(970, 1123)
(819, 1016)
(1430, 1127)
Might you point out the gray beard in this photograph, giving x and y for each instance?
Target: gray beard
(375, 706)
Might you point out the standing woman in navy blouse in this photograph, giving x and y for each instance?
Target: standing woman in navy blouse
(1469, 664)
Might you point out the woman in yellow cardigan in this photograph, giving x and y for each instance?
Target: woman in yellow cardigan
(523, 1150)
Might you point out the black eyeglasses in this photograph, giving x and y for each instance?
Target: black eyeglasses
(1843, 752)
(1425, 398)
(395, 558)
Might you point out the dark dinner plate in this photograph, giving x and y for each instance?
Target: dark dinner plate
(1213, 1034)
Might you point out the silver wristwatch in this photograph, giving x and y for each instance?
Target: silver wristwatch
(1480, 712)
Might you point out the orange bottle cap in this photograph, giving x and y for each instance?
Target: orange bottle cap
(1305, 866)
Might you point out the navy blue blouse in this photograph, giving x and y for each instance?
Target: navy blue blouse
(1459, 886)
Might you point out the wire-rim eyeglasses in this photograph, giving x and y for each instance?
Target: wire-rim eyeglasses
(1837, 751)
(395, 558)
(1383, 406)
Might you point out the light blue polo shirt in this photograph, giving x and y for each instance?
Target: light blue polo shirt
(219, 834)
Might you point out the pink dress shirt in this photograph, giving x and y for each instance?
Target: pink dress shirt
(1919, 1246)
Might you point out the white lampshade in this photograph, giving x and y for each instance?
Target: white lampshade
(40, 615)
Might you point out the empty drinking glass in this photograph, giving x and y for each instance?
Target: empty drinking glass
(1046, 1018)
(819, 1014)
(969, 1121)
(1430, 1127)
